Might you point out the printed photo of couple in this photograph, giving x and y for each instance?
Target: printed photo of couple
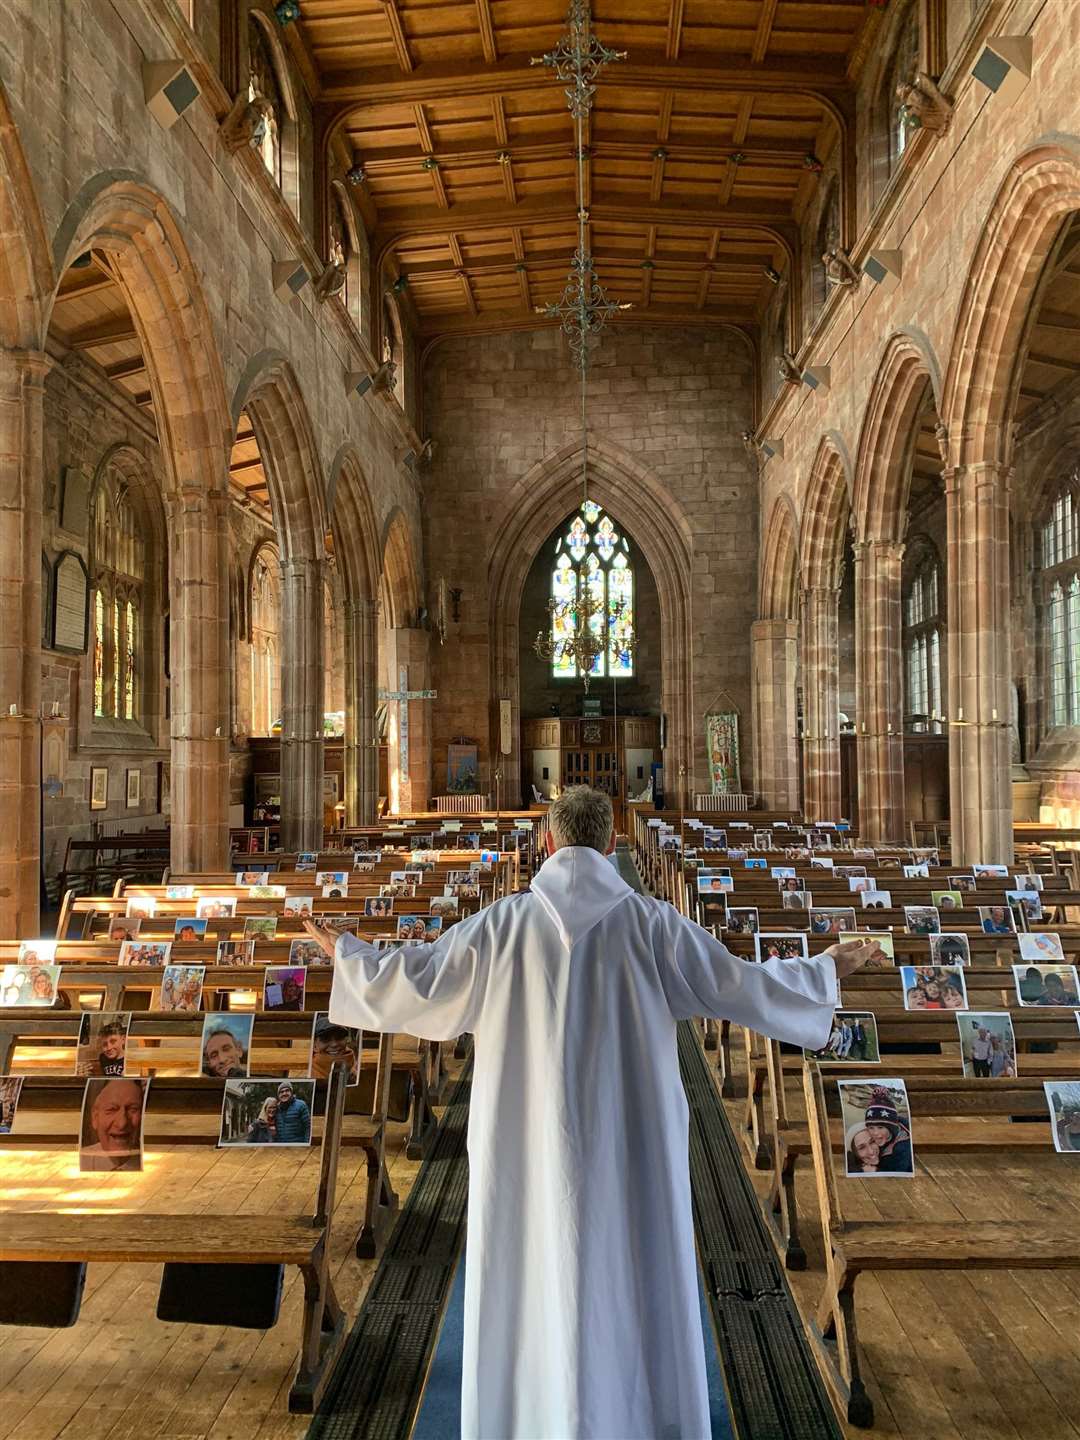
(854, 1040)
(933, 987)
(1063, 1099)
(875, 899)
(987, 1045)
(182, 988)
(963, 883)
(266, 1112)
(236, 952)
(922, 919)
(378, 907)
(111, 1131)
(302, 905)
(772, 946)
(445, 905)
(1029, 902)
(950, 948)
(832, 920)
(28, 985)
(796, 899)
(741, 919)
(877, 1129)
(1046, 985)
(221, 907)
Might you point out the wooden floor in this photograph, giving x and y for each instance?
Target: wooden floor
(121, 1374)
(976, 1355)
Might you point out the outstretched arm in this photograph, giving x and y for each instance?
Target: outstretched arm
(790, 1000)
(431, 991)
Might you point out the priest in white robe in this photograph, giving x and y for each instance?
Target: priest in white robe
(582, 1319)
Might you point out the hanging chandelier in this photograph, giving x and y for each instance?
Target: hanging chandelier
(579, 627)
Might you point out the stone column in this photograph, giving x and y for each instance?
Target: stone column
(821, 702)
(361, 742)
(879, 690)
(22, 388)
(200, 662)
(302, 680)
(409, 668)
(979, 661)
(774, 662)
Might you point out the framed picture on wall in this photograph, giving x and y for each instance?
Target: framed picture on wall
(164, 788)
(99, 787)
(134, 789)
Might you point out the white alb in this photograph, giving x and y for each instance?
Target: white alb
(581, 1300)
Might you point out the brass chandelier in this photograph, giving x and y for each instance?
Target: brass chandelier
(579, 627)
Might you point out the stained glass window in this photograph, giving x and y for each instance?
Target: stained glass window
(1059, 554)
(923, 625)
(592, 545)
(99, 654)
(119, 563)
(129, 661)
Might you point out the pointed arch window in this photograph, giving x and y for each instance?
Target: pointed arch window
(1059, 585)
(119, 565)
(923, 629)
(593, 557)
(265, 632)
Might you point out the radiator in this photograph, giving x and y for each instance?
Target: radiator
(461, 804)
(729, 803)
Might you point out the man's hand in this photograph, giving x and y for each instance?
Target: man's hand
(326, 939)
(852, 955)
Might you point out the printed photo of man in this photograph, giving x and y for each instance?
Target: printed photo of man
(225, 1046)
(112, 1118)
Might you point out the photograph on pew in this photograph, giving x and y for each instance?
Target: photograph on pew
(963, 883)
(266, 892)
(298, 906)
(145, 954)
(796, 900)
(987, 1044)
(1029, 881)
(37, 952)
(830, 920)
(419, 927)
(188, 931)
(876, 1120)
(219, 907)
(741, 919)
(1063, 1098)
(334, 892)
(919, 871)
(1046, 985)
(780, 946)
(884, 956)
(379, 907)
(1041, 945)
(144, 907)
(260, 927)
(444, 905)
(236, 952)
(786, 877)
(922, 920)
(28, 985)
(990, 872)
(226, 1046)
(102, 1043)
(711, 883)
(339, 878)
(933, 987)
(307, 860)
(950, 947)
(875, 899)
(179, 892)
(1029, 901)
(124, 927)
(364, 859)
(111, 1129)
(334, 1045)
(283, 988)
(997, 920)
(252, 877)
(182, 988)
(338, 925)
(307, 952)
(947, 899)
(10, 1090)
(853, 1041)
(266, 1112)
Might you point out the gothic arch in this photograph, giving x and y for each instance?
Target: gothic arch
(825, 518)
(538, 502)
(270, 394)
(25, 274)
(988, 349)
(780, 565)
(887, 438)
(400, 571)
(352, 521)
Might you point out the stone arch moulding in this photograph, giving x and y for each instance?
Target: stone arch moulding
(887, 437)
(400, 570)
(780, 565)
(1041, 188)
(26, 277)
(352, 520)
(121, 215)
(825, 517)
(535, 505)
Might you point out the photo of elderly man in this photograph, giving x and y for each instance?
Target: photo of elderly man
(111, 1135)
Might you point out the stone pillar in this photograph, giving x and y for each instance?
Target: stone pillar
(879, 690)
(774, 662)
(821, 702)
(200, 665)
(22, 387)
(302, 680)
(409, 668)
(361, 741)
(979, 661)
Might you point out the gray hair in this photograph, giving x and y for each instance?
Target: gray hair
(582, 816)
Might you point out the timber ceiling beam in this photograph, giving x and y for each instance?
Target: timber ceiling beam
(487, 31)
(742, 263)
(763, 34)
(815, 76)
(403, 159)
(674, 29)
(397, 34)
(499, 321)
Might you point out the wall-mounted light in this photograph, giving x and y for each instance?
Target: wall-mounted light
(771, 447)
(817, 377)
(1004, 66)
(355, 174)
(360, 382)
(289, 277)
(169, 88)
(884, 267)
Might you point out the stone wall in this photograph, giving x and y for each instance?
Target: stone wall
(673, 401)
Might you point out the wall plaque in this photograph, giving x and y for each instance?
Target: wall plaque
(71, 604)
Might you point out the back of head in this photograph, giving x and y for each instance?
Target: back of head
(582, 816)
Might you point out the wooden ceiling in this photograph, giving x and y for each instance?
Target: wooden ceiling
(696, 148)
